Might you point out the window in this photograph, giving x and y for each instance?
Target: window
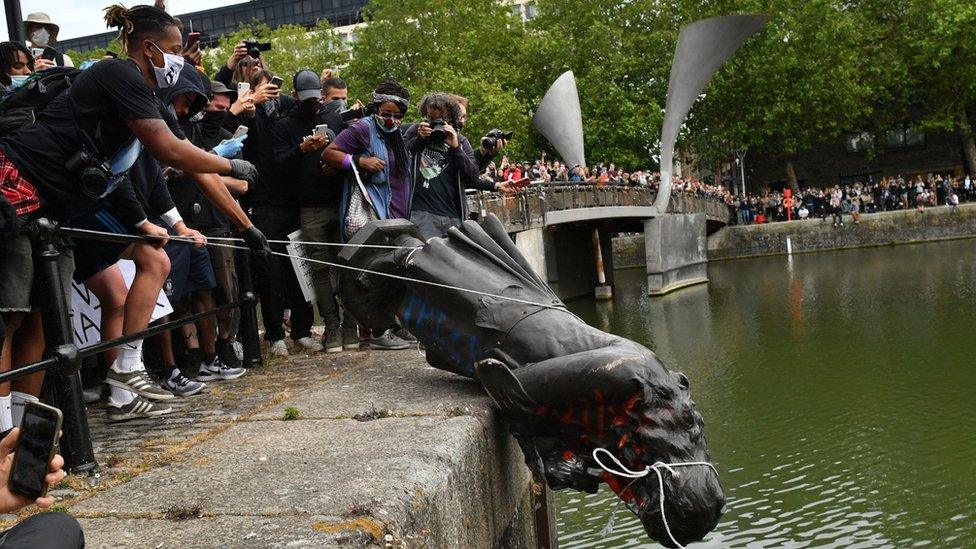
(530, 11)
(904, 138)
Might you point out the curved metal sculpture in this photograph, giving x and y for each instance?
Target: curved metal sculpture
(703, 47)
(560, 120)
(565, 387)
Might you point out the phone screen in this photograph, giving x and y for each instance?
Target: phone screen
(38, 433)
(277, 81)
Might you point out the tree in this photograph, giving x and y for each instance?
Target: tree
(468, 48)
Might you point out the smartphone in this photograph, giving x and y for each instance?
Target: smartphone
(241, 130)
(277, 81)
(323, 129)
(49, 53)
(35, 449)
(192, 39)
(243, 88)
(37, 52)
(352, 114)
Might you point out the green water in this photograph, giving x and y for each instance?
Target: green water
(838, 390)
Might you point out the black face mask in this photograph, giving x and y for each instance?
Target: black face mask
(310, 107)
(211, 122)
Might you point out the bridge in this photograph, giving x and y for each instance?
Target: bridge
(565, 231)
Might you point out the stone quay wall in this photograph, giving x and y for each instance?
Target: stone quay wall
(878, 229)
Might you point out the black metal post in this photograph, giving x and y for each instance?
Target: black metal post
(248, 333)
(15, 21)
(76, 444)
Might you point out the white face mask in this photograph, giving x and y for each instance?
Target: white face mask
(40, 38)
(17, 80)
(170, 72)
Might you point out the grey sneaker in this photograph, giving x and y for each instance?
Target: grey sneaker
(278, 348)
(138, 382)
(183, 386)
(139, 407)
(350, 338)
(333, 341)
(388, 342)
(309, 344)
(217, 370)
(405, 335)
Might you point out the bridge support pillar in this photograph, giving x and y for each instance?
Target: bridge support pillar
(533, 246)
(676, 250)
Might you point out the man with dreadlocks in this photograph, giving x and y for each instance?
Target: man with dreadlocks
(373, 156)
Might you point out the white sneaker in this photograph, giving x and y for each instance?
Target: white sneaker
(310, 344)
(238, 349)
(278, 348)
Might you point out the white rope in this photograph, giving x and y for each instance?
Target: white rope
(624, 472)
(190, 240)
(341, 245)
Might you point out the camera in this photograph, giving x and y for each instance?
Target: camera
(93, 175)
(437, 132)
(490, 141)
(254, 48)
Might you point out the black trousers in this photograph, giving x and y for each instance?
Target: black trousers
(47, 530)
(276, 283)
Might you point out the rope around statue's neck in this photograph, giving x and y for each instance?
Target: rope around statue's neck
(624, 472)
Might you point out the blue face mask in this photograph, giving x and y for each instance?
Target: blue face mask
(17, 80)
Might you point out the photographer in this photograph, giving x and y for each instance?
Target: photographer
(482, 155)
(443, 166)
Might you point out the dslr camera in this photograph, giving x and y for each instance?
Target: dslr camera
(254, 48)
(437, 132)
(93, 174)
(489, 141)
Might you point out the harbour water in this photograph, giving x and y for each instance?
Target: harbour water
(838, 391)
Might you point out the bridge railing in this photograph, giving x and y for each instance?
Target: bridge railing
(528, 209)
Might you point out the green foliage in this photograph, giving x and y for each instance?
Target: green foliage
(79, 56)
(291, 413)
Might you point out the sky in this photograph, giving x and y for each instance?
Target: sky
(84, 17)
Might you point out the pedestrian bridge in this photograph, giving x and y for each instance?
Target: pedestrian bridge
(565, 231)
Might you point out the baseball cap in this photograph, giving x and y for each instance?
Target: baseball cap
(306, 85)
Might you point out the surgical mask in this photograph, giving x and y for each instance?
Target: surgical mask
(334, 105)
(170, 72)
(40, 38)
(17, 80)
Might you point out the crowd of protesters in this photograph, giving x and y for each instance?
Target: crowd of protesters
(889, 194)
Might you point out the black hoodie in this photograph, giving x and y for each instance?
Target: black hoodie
(302, 172)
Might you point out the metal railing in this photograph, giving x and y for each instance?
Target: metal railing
(62, 358)
(527, 209)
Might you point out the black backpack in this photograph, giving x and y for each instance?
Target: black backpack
(19, 107)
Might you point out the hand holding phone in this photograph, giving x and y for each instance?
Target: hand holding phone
(243, 90)
(35, 466)
(277, 81)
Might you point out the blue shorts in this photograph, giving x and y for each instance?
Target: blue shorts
(190, 270)
(94, 256)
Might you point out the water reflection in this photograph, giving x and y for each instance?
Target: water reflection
(837, 394)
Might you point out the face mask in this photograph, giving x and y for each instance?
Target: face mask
(211, 122)
(17, 80)
(388, 125)
(335, 105)
(270, 107)
(40, 38)
(170, 72)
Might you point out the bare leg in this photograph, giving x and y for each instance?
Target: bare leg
(27, 349)
(109, 287)
(206, 331)
(152, 268)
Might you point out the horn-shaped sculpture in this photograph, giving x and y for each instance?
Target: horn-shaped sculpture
(703, 47)
(560, 120)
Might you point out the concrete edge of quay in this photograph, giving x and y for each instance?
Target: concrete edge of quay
(879, 229)
(390, 453)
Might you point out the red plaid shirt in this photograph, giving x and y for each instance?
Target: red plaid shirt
(18, 191)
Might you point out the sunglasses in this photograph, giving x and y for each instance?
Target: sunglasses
(388, 115)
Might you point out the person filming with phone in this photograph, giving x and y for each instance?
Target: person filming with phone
(42, 34)
(443, 167)
(28, 467)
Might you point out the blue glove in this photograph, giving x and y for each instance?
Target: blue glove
(229, 148)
